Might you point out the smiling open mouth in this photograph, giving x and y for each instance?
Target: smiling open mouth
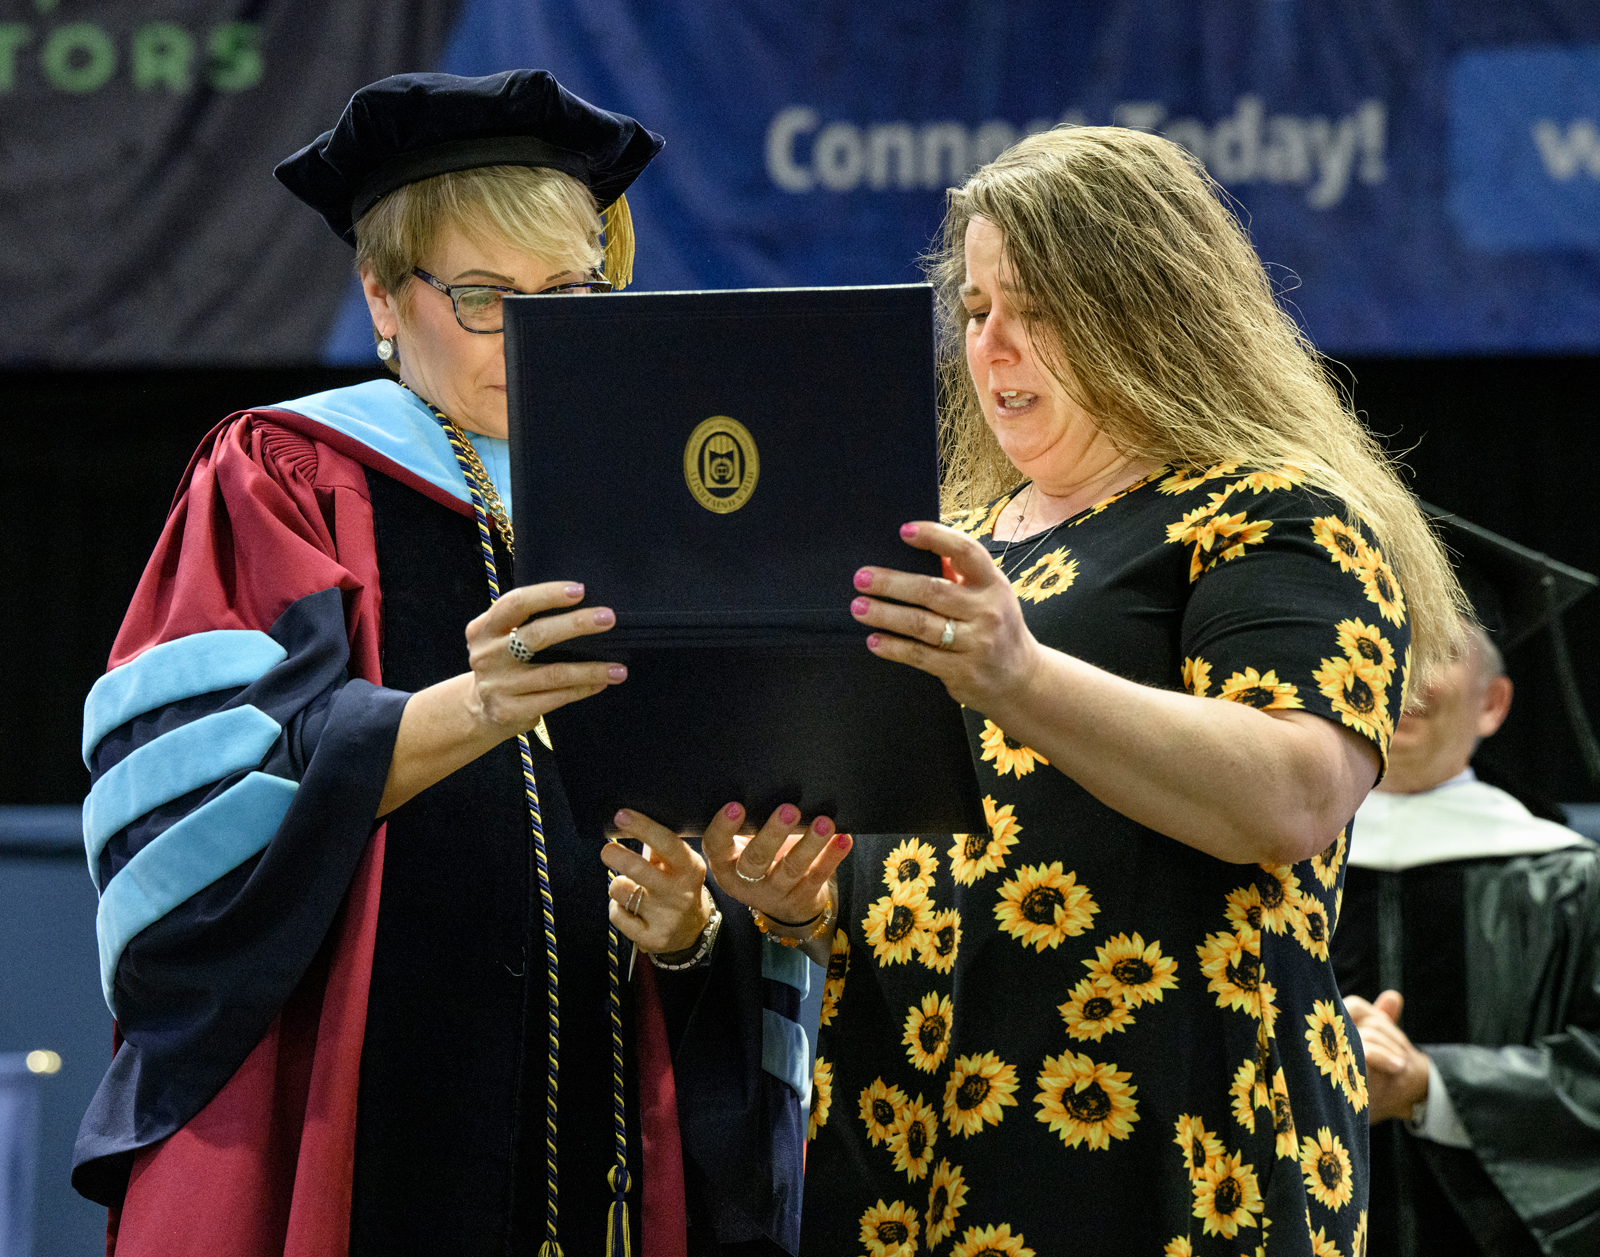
(1013, 399)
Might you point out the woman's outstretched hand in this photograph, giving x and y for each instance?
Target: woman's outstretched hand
(782, 872)
(450, 724)
(658, 898)
(511, 696)
(987, 653)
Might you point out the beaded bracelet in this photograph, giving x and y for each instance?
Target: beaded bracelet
(823, 927)
(708, 938)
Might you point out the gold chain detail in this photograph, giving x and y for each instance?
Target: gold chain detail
(479, 474)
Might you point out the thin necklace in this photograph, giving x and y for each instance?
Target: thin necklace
(1016, 531)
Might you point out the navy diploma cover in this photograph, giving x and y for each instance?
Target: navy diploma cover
(715, 466)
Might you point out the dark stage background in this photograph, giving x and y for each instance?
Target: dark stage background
(91, 460)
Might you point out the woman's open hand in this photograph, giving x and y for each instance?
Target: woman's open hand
(781, 872)
(658, 898)
(512, 696)
(450, 724)
(965, 628)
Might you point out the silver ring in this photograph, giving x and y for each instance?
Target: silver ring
(948, 636)
(745, 877)
(518, 648)
(633, 901)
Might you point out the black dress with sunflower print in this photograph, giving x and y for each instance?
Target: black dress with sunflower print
(1072, 1034)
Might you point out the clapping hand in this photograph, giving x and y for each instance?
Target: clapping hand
(1397, 1073)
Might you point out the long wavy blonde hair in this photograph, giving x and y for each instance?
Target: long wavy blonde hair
(1149, 305)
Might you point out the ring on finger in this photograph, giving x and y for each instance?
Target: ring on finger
(518, 648)
(745, 877)
(633, 901)
(948, 636)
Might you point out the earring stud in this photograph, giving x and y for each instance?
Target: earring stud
(386, 349)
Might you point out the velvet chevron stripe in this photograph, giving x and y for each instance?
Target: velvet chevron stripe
(785, 1053)
(201, 663)
(184, 759)
(212, 840)
(785, 964)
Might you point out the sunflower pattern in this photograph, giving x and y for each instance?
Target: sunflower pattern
(992, 1241)
(1020, 998)
(941, 941)
(821, 1097)
(1326, 1166)
(1041, 906)
(881, 1107)
(1006, 756)
(1227, 1196)
(927, 1034)
(911, 865)
(1046, 577)
(973, 856)
(895, 922)
(1131, 970)
(1249, 1093)
(977, 1092)
(833, 983)
(1325, 865)
(1216, 537)
(1085, 1102)
(1199, 1147)
(947, 1192)
(890, 1230)
(913, 1137)
(1092, 1013)
(1263, 691)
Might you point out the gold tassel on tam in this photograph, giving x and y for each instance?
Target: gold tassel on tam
(618, 1243)
(618, 224)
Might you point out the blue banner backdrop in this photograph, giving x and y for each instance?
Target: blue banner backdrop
(1423, 176)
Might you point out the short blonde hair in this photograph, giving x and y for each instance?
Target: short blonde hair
(531, 208)
(1151, 308)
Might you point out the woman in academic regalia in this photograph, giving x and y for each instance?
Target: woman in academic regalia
(372, 989)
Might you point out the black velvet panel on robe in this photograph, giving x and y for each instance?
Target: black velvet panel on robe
(450, 1136)
(1407, 930)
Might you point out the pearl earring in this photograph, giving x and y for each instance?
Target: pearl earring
(386, 348)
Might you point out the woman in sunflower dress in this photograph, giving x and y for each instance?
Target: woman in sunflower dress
(1175, 617)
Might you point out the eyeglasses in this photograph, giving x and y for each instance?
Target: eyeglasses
(479, 307)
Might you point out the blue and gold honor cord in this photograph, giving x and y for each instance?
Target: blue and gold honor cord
(617, 1237)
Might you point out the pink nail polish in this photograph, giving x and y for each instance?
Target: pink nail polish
(859, 606)
(617, 672)
(733, 811)
(605, 617)
(863, 579)
(788, 814)
(623, 818)
(842, 841)
(823, 826)
(574, 591)
(873, 641)
(908, 531)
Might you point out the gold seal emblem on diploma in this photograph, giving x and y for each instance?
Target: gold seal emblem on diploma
(720, 464)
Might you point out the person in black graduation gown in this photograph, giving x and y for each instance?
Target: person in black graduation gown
(342, 891)
(1469, 953)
